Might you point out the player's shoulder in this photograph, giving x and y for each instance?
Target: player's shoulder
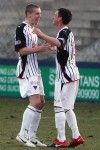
(64, 32)
(21, 26)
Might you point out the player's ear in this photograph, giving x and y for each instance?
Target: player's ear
(60, 18)
(29, 15)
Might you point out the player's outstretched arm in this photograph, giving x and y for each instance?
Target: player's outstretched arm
(38, 49)
(47, 38)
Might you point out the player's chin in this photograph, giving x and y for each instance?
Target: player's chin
(36, 22)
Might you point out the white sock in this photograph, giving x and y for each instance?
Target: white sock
(34, 125)
(60, 123)
(28, 117)
(72, 122)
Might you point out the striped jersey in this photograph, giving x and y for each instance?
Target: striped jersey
(66, 69)
(27, 65)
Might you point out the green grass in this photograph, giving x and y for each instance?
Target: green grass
(88, 116)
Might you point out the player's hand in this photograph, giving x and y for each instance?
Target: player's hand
(45, 47)
(51, 47)
(37, 31)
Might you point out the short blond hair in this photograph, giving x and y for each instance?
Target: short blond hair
(30, 8)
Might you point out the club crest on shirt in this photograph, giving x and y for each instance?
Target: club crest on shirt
(17, 42)
(35, 87)
(34, 83)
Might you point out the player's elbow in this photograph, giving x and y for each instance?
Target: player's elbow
(57, 43)
(22, 52)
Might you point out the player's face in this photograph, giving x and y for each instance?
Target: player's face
(55, 18)
(35, 16)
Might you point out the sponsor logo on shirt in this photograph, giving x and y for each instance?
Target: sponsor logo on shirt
(17, 42)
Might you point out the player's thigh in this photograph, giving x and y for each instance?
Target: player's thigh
(34, 100)
(41, 87)
(68, 95)
(33, 86)
(57, 94)
(23, 85)
(36, 91)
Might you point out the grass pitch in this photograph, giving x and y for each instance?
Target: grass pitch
(11, 110)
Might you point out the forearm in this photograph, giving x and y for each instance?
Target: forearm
(26, 51)
(51, 40)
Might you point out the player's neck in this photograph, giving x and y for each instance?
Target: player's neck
(60, 26)
(28, 22)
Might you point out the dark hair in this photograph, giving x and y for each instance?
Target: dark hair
(65, 14)
(30, 8)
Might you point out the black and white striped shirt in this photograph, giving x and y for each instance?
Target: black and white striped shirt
(66, 69)
(27, 65)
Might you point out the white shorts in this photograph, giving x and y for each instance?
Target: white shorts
(65, 96)
(31, 86)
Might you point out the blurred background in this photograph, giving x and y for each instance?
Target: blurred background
(85, 25)
(86, 28)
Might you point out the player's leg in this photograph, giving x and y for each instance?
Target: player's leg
(32, 91)
(60, 119)
(77, 139)
(28, 116)
(70, 91)
(37, 115)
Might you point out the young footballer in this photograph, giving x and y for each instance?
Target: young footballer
(67, 79)
(29, 76)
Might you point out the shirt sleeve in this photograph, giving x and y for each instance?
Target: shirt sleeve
(20, 40)
(62, 38)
